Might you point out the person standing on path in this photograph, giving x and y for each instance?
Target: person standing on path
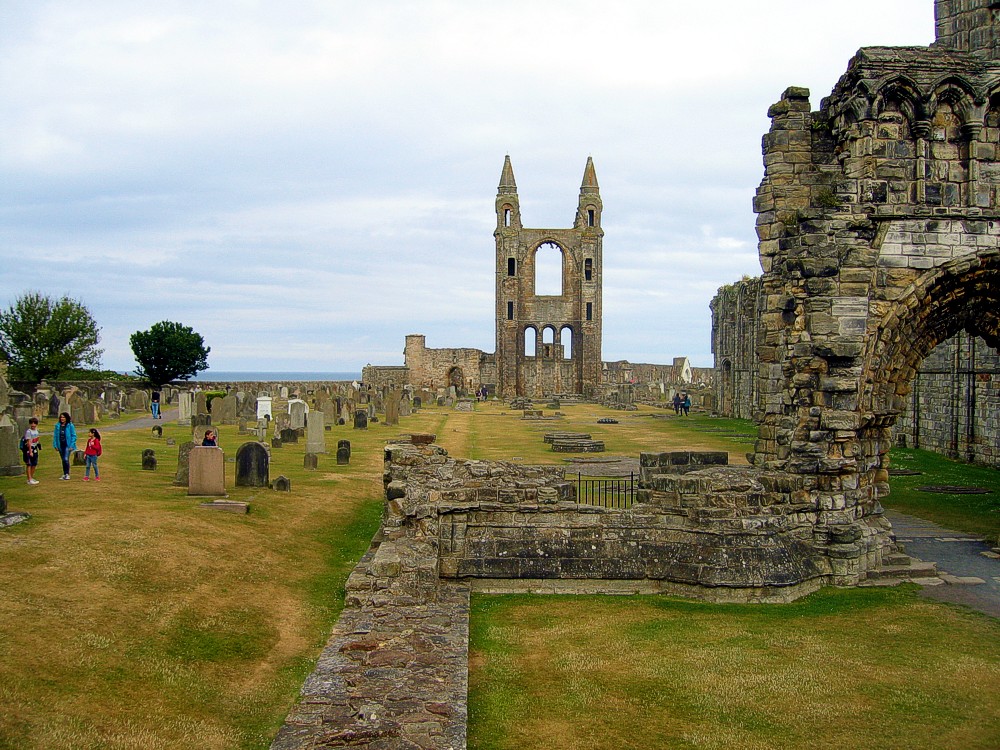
(64, 440)
(155, 404)
(29, 449)
(91, 452)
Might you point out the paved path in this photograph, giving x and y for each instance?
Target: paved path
(147, 421)
(959, 560)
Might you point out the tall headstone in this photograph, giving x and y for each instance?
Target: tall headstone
(392, 409)
(224, 409)
(183, 464)
(184, 404)
(11, 464)
(200, 404)
(297, 410)
(343, 452)
(361, 419)
(207, 471)
(252, 465)
(149, 460)
(315, 433)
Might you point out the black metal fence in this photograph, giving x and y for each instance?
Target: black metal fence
(606, 493)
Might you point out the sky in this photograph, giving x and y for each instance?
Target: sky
(305, 183)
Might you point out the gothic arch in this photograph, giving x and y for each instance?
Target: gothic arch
(961, 295)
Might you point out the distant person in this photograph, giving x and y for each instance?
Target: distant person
(29, 449)
(677, 403)
(210, 439)
(64, 440)
(686, 404)
(90, 454)
(154, 403)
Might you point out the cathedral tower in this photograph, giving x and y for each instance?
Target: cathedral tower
(548, 343)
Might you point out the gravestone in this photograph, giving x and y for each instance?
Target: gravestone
(288, 435)
(310, 461)
(11, 463)
(361, 419)
(392, 409)
(157, 431)
(207, 471)
(79, 458)
(297, 410)
(184, 403)
(183, 464)
(417, 402)
(315, 434)
(263, 407)
(224, 409)
(405, 409)
(343, 452)
(345, 413)
(171, 441)
(252, 465)
(149, 460)
(282, 484)
(200, 404)
(276, 442)
(283, 391)
(91, 412)
(54, 404)
(242, 426)
(246, 406)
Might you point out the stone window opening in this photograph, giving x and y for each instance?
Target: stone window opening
(511, 266)
(566, 342)
(548, 270)
(506, 219)
(510, 311)
(590, 311)
(548, 341)
(590, 217)
(530, 339)
(588, 270)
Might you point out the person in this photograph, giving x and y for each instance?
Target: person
(686, 404)
(677, 403)
(155, 404)
(29, 449)
(210, 438)
(64, 440)
(90, 453)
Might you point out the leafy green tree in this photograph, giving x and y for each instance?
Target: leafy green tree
(41, 337)
(168, 351)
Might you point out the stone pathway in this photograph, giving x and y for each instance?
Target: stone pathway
(146, 421)
(968, 576)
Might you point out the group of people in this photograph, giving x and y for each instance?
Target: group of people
(682, 404)
(64, 442)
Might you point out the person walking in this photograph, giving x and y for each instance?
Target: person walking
(154, 403)
(29, 449)
(677, 403)
(64, 440)
(686, 404)
(91, 452)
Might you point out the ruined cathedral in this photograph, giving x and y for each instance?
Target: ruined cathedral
(545, 343)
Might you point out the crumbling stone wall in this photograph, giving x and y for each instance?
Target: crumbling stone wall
(465, 368)
(735, 330)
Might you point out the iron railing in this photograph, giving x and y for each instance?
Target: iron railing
(606, 493)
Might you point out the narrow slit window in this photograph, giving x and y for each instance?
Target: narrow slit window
(510, 311)
(511, 266)
(588, 270)
(590, 217)
(590, 311)
(506, 217)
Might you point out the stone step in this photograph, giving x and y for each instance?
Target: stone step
(905, 572)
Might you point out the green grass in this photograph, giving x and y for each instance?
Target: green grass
(975, 514)
(838, 669)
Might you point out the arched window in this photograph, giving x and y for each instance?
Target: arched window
(566, 340)
(549, 270)
(506, 217)
(530, 336)
(548, 341)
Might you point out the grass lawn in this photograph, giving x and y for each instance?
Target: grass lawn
(129, 618)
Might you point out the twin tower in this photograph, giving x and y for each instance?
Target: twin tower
(548, 343)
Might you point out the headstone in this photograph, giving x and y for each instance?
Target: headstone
(11, 463)
(392, 409)
(405, 409)
(310, 461)
(315, 435)
(242, 427)
(361, 419)
(297, 413)
(157, 431)
(283, 391)
(343, 452)
(91, 412)
(149, 460)
(345, 413)
(252, 465)
(79, 458)
(54, 404)
(184, 404)
(282, 484)
(171, 441)
(224, 409)
(183, 464)
(288, 435)
(200, 404)
(207, 472)
(276, 442)
(417, 402)
(263, 407)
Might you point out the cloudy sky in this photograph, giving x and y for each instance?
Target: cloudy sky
(304, 183)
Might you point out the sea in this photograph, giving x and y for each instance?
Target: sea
(234, 376)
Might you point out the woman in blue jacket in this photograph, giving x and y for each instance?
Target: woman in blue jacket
(64, 440)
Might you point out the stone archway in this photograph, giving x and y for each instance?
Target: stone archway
(456, 379)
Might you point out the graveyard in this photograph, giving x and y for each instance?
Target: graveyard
(157, 622)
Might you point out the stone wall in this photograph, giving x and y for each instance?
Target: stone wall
(465, 368)
(735, 330)
(954, 407)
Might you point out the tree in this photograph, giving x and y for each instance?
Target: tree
(168, 351)
(41, 336)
